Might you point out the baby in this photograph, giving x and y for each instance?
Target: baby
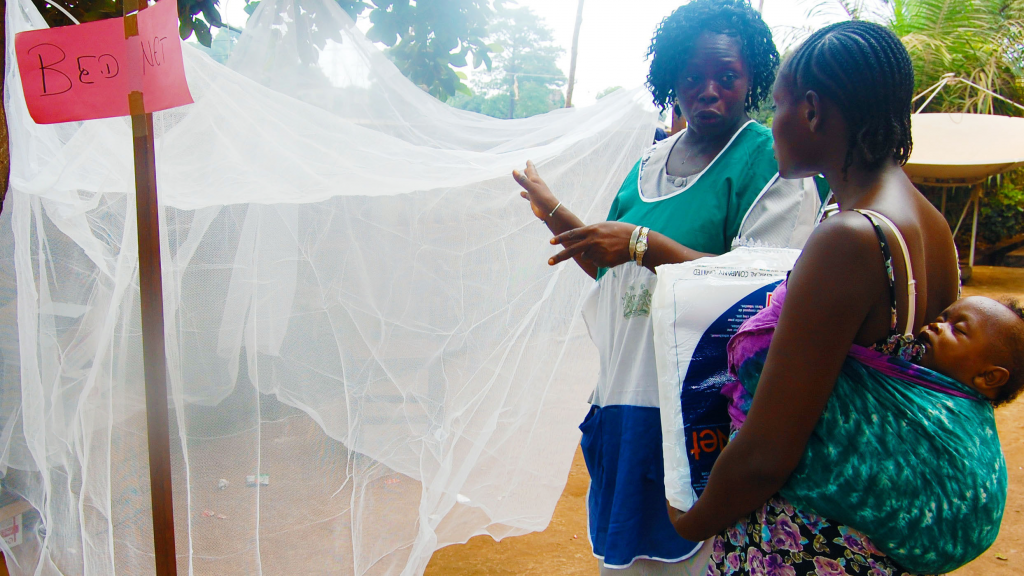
(980, 343)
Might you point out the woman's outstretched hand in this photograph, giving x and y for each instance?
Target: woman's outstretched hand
(536, 191)
(557, 217)
(605, 244)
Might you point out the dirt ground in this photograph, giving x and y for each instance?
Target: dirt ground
(563, 549)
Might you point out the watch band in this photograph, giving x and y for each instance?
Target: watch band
(641, 246)
(632, 242)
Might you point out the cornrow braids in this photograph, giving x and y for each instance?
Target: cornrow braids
(865, 70)
(674, 41)
(1015, 346)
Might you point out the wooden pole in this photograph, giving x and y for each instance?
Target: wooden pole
(152, 302)
(574, 53)
(974, 227)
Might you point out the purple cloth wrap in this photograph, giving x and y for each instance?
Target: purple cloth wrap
(755, 336)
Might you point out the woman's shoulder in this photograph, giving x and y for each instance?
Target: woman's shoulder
(757, 136)
(844, 239)
(759, 131)
(752, 150)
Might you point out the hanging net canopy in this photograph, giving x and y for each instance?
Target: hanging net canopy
(369, 357)
(964, 149)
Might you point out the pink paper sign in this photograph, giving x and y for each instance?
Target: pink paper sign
(86, 71)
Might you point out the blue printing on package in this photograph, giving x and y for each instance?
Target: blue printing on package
(705, 409)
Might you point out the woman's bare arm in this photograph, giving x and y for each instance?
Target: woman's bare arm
(601, 245)
(831, 291)
(549, 210)
(606, 244)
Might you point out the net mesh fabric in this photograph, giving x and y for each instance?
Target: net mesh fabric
(357, 305)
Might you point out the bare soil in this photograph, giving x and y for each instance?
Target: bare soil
(563, 548)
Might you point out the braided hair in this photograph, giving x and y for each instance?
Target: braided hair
(865, 70)
(674, 41)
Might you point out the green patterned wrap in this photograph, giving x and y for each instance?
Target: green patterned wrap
(920, 471)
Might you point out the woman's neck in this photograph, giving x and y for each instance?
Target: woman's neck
(859, 186)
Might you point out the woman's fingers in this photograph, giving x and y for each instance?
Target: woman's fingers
(564, 237)
(529, 185)
(531, 171)
(572, 236)
(568, 253)
(521, 179)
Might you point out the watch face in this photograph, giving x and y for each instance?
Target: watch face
(641, 246)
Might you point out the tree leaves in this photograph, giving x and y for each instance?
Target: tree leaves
(427, 39)
(188, 10)
(211, 14)
(202, 30)
(525, 79)
(980, 40)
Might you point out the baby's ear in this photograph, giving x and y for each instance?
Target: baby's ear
(992, 379)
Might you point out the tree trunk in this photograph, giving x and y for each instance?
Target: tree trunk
(512, 98)
(513, 69)
(5, 150)
(574, 53)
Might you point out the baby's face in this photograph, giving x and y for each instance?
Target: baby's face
(964, 340)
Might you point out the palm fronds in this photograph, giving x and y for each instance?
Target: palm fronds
(979, 40)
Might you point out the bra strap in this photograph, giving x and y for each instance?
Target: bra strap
(911, 282)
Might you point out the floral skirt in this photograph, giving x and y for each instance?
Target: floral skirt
(780, 540)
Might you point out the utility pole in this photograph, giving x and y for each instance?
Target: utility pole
(513, 93)
(574, 53)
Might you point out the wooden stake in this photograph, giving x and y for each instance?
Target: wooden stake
(154, 354)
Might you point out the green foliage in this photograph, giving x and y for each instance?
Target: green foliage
(223, 43)
(82, 10)
(979, 40)
(982, 41)
(765, 115)
(1000, 214)
(426, 39)
(197, 16)
(525, 79)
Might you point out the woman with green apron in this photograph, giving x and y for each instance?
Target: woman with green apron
(714, 61)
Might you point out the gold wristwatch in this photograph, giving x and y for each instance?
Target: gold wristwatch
(641, 246)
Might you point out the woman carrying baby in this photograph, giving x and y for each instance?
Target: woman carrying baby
(843, 110)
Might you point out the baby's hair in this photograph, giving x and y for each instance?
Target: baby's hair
(865, 70)
(675, 37)
(1015, 347)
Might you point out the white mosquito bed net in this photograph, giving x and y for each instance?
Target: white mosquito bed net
(369, 357)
